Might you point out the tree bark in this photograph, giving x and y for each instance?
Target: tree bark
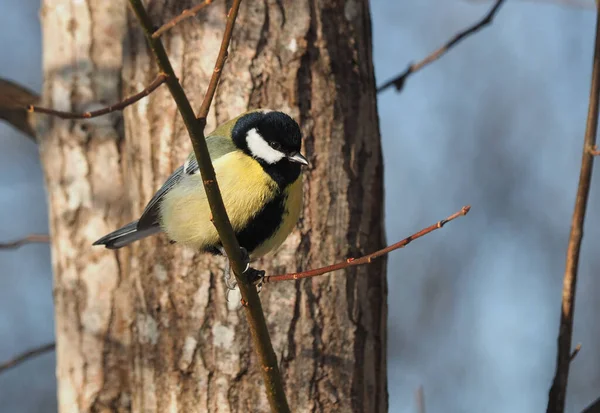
(148, 328)
(82, 63)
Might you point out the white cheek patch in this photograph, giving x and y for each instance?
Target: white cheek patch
(260, 148)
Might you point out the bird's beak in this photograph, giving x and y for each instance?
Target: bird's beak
(298, 158)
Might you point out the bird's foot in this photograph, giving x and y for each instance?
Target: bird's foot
(255, 277)
(245, 259)
(230, 281)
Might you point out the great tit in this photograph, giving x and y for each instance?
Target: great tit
(257, 161)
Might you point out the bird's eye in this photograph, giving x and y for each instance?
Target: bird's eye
(275, 145)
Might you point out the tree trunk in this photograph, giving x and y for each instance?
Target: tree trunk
(82, 63)
(148, 328)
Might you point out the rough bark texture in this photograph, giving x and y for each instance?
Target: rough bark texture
(148, 328)
(82, 68)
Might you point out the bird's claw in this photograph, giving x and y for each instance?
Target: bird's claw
(255, 277)
(230, 281)
(245, 259)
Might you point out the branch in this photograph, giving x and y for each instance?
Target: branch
(195, 127)
(595, 151)
(219, 63)
(557, 394)
(367, 259)
(187, 13)
(398, 81)
(23, 357)
(577, 4)
(29, 239)
(593, 408)
(14, 98)
(420, 400)
(575, 352)
(160, 79)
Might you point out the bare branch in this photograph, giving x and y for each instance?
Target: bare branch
(577, 4)
(575, 352)
(593, 408)
(14, 98)
(160, 79)
(254, 314)
(557, 394)
(219, 63)
(23, 357)
(420, 400)
(187, 13)
(29, 239)
(367, 259)
(398, 81)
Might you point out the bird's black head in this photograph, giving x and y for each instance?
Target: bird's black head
(270, 137)
(273, 139)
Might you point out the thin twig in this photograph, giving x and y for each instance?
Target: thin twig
(195, 127)
(29, 239)
(23, 357)
(557, 394)
(577, 4)
(187, 13)
(594, 407)
(160, 79)
(420, 400)
(367, 259)
(595, 151)
(219, 63)
(575, 352)
(399, 80)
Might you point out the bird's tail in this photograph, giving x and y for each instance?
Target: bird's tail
(126, 235)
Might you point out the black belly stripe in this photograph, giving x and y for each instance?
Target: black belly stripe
(264, 224)
(283, 172)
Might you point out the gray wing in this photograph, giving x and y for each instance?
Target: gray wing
(150, 217)
(217, 147)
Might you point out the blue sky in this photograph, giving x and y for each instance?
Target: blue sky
(473, 308)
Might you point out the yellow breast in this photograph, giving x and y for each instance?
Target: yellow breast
(245, 188)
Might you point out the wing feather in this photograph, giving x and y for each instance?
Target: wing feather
(149, 217)
(217, 147)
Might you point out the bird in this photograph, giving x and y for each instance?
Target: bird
(258, 165)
